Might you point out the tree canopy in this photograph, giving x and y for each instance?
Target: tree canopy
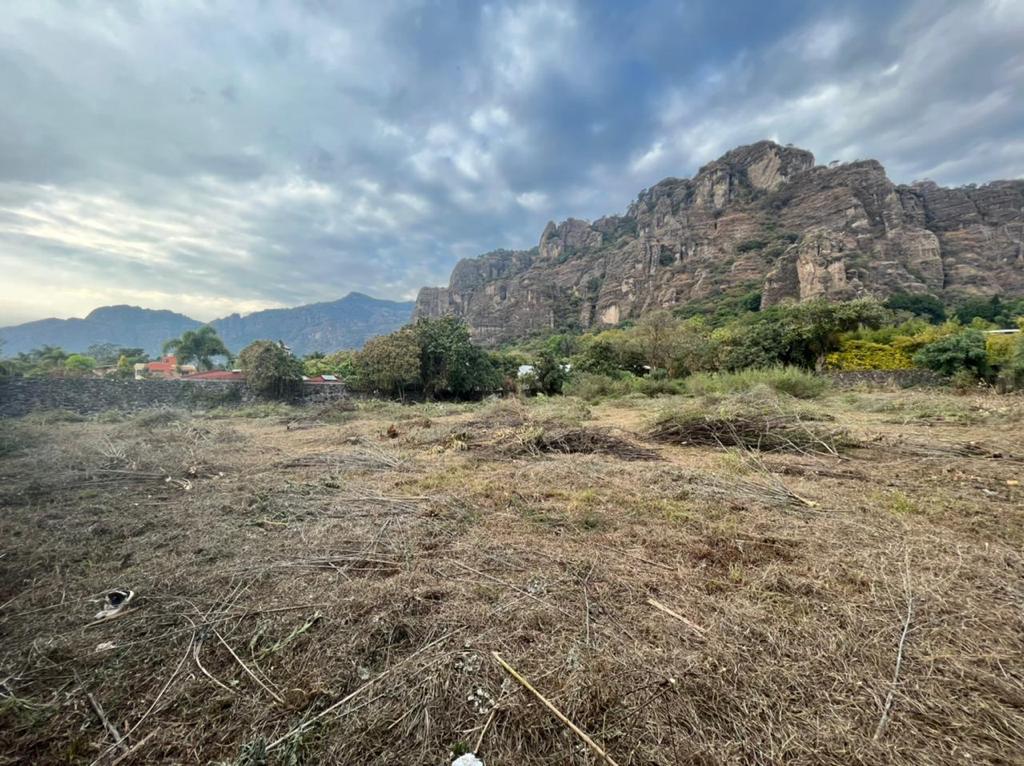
(199, 346)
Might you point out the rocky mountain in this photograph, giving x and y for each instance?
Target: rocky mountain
(762, 217)
(127, 326)
(341, 324)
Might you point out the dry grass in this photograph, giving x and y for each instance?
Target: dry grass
(334, 593)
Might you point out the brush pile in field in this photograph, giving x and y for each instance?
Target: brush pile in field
(510, 431)
(750, 425)
(547, 439)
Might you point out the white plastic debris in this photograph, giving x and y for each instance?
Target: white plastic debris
(106, 646)
(115, 602)
(467, 760)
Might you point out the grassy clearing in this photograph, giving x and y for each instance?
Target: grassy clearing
(333, 593)
(793, 381)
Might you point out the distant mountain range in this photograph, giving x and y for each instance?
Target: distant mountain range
(342, 324)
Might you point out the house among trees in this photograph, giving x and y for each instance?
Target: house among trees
(166, 368)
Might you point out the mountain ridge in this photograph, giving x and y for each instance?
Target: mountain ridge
(325, 326)
(761, 217)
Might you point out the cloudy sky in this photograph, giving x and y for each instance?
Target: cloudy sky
(213, 156)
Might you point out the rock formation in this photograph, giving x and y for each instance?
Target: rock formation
(762, 217)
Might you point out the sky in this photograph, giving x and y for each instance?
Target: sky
(214, 156)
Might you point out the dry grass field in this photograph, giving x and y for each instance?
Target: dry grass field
(331, 586)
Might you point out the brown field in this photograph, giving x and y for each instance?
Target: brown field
(329, 586)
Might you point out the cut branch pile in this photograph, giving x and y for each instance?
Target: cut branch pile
(768, 431)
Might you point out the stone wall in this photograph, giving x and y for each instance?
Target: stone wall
(886, 379)
(91, 395)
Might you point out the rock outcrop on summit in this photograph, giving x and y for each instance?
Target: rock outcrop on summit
(762, 217)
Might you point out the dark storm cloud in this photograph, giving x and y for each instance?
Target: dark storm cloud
(213, 156)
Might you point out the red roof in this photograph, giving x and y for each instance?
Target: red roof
(217, 375)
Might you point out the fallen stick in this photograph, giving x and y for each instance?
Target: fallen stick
(487, 725)
(134, 748)
(672, 613)
(271, 692)
(883, 722)
(328, 710)
(557, 713)
(98, 709)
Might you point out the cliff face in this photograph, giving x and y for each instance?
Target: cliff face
(761, 217)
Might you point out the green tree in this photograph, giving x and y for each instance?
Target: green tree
(549, 375)
(609, 353)
(695, 349)
(199, 346)
(270, 369)
(918, 304)
(658, 338)
(79, 365)
(954, 353)
(125, 367)
(340, 363)
(450, 365)
(800, 334)
(390, 364)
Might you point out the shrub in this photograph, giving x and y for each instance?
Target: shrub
(390, 364)
(953, 353)
(751, 244)
(659, 385)
(799, 334)
(1000, 349)
(593, 388)
(963, 381)
(270, 369)
(865, 355)
(79, 365)
(608, 353)
(922, 305)
(341, 364)
(793, 381)
(548, 376)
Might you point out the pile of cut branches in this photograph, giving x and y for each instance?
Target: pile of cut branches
(762, 429)
(547, 440)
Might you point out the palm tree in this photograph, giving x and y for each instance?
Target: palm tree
(199, 346)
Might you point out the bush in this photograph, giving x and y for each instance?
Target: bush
(953, 353)
(922, 305)
(79, 365)
(593, 388)
(548, 376)
(608, 353)
(751, 244)
(963, 381)
(801, 334)
(793, 381)
(865, 355)
(659, 385)
(390, 364)
(270, 369)
(341, 364)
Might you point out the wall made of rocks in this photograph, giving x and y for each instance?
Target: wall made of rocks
(89, 396)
